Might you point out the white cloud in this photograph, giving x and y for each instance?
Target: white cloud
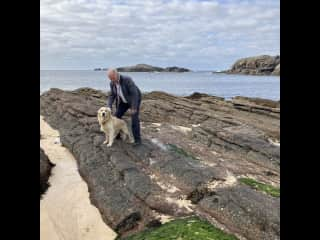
(188, 33)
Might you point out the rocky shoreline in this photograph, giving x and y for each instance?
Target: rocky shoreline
(195, 151)
(258, 65)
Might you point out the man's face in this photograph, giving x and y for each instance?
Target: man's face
(113, 77)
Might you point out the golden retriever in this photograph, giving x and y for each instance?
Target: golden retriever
(112, 126)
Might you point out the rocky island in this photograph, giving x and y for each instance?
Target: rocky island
(259, 65)
(100, 69)
(202, 156)
(149, 68)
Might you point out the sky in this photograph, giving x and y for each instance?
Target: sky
(196, 34)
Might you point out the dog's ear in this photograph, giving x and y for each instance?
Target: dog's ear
(108, 116)
(99, 117)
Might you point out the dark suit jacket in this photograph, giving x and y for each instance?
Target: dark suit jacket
(130, 91)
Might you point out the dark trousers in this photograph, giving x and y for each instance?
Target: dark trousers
(135, 122)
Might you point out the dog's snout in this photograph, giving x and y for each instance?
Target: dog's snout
(103, 114)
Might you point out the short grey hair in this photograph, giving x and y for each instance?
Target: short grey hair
(113, 70)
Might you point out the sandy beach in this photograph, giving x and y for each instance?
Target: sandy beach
(65, 210)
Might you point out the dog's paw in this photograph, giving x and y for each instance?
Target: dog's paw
(105, 142)
(109, 145)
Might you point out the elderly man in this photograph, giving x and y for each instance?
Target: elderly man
(127, 96)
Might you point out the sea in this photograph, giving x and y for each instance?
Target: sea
(180, 84)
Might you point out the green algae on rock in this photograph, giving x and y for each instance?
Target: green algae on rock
(183, 229)
(273, 191)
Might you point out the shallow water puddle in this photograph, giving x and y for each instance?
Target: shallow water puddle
(65, 209)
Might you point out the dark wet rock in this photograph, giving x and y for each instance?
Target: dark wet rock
(198, 194)
(154, 224)
(197, 96)
(132, 186)
(45, 171)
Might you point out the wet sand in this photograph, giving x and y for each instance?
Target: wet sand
(65, 210)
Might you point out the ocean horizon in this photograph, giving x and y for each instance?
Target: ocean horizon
(181, 84)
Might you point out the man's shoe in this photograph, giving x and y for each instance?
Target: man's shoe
(137, 143)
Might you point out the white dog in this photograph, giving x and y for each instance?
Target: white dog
(112, 126)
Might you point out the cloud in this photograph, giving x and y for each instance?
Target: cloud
(188, 33)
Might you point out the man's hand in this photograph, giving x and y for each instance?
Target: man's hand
(132, 111)
(113, 113)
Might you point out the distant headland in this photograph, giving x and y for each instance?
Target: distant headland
(146, 68)
(258, 65)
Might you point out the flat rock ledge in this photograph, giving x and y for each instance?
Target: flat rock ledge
(194, 151)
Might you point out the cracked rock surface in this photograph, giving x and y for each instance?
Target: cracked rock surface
(194, 151)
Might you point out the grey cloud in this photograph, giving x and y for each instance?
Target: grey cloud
(156, 31)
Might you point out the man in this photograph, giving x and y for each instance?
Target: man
(127, 96)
